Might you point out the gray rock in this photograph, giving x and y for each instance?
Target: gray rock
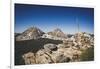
(50, 47)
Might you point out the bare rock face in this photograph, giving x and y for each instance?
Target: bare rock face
(50, 47)
(54, 57)
(61, 46)
(29, 58)
(70, 52)
(84, 40)
(31, 33)
(43, 57)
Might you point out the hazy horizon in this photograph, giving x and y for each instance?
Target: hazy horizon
(47, 18)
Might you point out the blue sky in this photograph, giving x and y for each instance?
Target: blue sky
(47, 18)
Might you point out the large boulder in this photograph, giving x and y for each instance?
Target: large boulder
(50, 47)
(29, 58)
(43, 57)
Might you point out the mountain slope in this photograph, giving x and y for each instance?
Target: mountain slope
(30, 33)
(57, 33)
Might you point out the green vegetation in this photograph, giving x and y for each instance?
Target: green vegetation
(88, 55)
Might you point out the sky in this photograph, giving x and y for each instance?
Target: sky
(48, 18)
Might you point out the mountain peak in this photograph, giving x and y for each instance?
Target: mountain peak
(30, 33)
(58, 33)
(57, 30)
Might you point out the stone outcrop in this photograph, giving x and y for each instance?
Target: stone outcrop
(50, 47)
(29, 58)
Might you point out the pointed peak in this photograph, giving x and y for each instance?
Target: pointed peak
(58, 29)
(33, 27)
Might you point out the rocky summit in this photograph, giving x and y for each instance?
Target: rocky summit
(30, 33)
(57, 33)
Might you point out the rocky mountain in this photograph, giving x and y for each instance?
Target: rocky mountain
(35, 33)
(30, 33)
(56, 34)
